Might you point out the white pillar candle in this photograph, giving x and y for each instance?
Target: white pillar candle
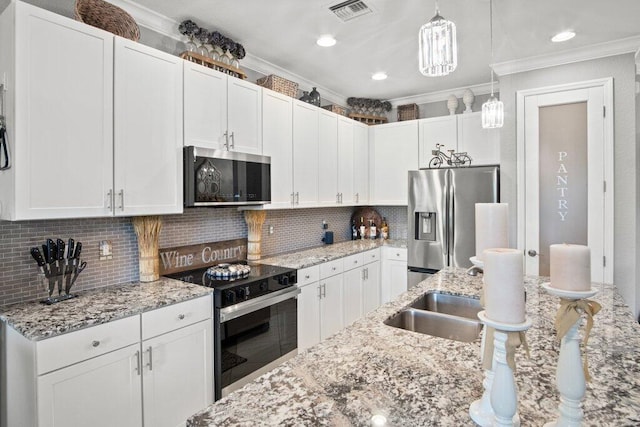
(570, 267)
(492, 227)
(504, 285)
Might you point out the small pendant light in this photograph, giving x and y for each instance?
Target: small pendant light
(493, 109)
(438, 52)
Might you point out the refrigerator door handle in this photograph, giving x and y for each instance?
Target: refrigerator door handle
(452, 224)
(447, 218)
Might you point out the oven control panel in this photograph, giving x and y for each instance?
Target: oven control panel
(246, 291)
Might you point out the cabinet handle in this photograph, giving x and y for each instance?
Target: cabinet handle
(180, 316)
(367, 273)
(337, 197)
(121, 194)
(95, 343)
(293, 199)
(226, 140)
(297, 198)
(341, 197)
(110, 199)
(357, 197)
(233, 140)
(306, 276)
(138, 363)
(324, 290)
(319, 291)
(363, 278)
(150, 363)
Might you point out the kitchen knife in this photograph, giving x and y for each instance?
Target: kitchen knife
(71, 261)
(62, 264)
(52, 250)
(78, 250)
(52, 259)
(37, 255)
(82, 266)
(45, 253)
(70, 248)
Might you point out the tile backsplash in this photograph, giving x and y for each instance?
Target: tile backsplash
(292, 230)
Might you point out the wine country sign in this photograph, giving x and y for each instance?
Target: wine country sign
(181, 258)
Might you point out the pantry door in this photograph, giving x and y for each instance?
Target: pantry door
(565, 173)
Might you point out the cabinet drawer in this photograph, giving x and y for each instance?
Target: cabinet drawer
(74, 347)
(175, 316)
(352, 261)
(371, 256)
(331, 268)
(308, 275)
(398, 254)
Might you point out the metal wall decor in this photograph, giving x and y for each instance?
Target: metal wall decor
(453, 159)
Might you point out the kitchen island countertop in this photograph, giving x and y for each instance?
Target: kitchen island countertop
(37, 321)
(419, 380)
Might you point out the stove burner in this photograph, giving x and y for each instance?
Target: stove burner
(228, 271)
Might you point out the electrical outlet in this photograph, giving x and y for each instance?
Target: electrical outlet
(106, 250)
(271, 229)
(324, 225)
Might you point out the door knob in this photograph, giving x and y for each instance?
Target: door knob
(532, 253)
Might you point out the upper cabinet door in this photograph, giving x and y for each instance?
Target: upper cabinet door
(394, 152)
(361, 164)
(244, 123)
(62, 153)
(437, 130)
(148, 130)
(305, 154)
(327, 158)
(346, 129)
(482, 145)
(277, 142)
(205, 106)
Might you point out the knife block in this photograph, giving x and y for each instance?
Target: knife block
(54, 282)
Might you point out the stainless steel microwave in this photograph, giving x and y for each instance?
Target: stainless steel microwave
(225, 178)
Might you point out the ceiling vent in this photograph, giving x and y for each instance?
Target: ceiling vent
(350, 9)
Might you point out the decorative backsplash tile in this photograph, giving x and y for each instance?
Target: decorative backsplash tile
(293, 229)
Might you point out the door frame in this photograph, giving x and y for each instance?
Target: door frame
(608, 164)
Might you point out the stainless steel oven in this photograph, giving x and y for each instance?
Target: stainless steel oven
(253, 337)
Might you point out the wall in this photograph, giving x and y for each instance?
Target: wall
(626, 235)
(293, 230)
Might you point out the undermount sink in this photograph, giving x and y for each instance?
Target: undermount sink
(441, 315)
(455, 305)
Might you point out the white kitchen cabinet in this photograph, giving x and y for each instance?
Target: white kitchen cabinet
(277, 142)
(327, 158)
(461, 133)
(346, 161)
(305, 154)
(148, 136)
(331, 303)
(393, 152)
(371, 285)
(437, 130)
(482, 145)
(221, 112)
(309, 314)
(360, 163)
(109, 374)
(59, 110)
(205, 106)
(104, 391)
(352, 280)
(177, 374)
(394, 273)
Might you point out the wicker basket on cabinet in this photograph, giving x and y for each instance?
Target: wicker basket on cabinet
(280, 85)
(407, 112)
(338, 109)
(108, 17)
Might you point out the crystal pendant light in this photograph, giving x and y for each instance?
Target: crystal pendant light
(493, 109)
(438, 52)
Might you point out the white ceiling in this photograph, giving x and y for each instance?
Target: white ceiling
(283, 32)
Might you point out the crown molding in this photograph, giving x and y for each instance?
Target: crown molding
(443, 95)
(586, 53)
(150, 19)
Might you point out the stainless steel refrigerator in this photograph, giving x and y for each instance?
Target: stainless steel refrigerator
(441, 226)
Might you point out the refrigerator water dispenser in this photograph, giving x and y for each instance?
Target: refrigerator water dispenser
(425, 226)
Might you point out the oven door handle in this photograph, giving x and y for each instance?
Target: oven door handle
(237, 310)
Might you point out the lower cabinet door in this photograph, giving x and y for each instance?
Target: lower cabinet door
(398, 273)
(177, 374)
(101, 392)
(352, 292)
(371, 287)
(331, 315)
(309, 316)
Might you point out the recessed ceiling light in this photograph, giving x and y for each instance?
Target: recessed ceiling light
(379, 76)
(326, 41)
(563, 36)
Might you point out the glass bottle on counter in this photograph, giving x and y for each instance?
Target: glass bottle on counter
(384, 229)
(373, 231)
(363, 229)
(354, 230)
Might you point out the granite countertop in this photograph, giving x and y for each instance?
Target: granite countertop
(37, 321)
(414, 379)
(310, 257)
